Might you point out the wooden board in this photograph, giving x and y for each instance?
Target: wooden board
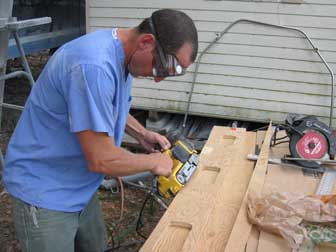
(269, 242)
(242, 228)
(285, 179)
(227, 203)
(253, 240)
(201, 216)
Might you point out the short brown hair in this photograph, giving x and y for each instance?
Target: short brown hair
(173, 29)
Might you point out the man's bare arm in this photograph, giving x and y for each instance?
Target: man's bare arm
(134, 128)
(105, 157)
(148, 139)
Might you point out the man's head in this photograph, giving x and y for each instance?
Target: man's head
(167, 43)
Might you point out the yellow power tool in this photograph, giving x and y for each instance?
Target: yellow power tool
(185, 161)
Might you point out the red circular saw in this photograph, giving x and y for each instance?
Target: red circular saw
(311, 141)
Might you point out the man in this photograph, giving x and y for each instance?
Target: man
(69, 134)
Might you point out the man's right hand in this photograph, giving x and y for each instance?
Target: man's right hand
(105, 157)
(162, 164)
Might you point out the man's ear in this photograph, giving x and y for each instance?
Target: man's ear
(146, 41)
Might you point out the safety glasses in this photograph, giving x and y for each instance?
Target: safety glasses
(164, 65)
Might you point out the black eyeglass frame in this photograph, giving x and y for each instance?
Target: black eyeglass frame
(162, 54)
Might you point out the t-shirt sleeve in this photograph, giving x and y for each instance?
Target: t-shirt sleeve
(90, 100)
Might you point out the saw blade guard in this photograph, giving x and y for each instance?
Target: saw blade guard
(310, 139)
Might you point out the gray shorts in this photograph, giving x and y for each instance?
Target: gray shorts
(43, 230)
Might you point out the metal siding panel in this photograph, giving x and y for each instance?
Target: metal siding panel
(273, 52)
(302, 103)
(224, 16)
(268, 41)
(216, 111)
(266, 63)
(246, 28)
(254, 72)
(206, 28)
(247, 91)
(183, 84)
(242, 6)
(276, 74)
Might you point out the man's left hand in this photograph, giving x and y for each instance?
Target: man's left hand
(151, 139)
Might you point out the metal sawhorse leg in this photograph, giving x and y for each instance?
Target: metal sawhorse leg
(12, 26)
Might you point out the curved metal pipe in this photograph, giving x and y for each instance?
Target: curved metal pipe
(219, 36)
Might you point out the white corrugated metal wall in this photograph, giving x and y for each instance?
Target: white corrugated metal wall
(254, 72)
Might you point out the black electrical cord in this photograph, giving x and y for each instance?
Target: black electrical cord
(277, 143)
(150, 193)
(139, 224)
(113, 241)
(263, 127)
(281, 138)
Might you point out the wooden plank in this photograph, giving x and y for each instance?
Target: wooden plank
(269, 242)
(260, 140)
(284, 179)
(227, 203)
(327, 248)
(242, 228)
(253, 240)
(201, 215)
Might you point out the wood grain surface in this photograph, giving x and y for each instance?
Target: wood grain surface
(201, 216)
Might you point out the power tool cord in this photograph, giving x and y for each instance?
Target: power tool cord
(261, 128)
(151, 193)
(115, 247)
(276, 141)
(122, 197)
(139, 224)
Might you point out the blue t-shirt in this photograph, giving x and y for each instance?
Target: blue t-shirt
(84, 86)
